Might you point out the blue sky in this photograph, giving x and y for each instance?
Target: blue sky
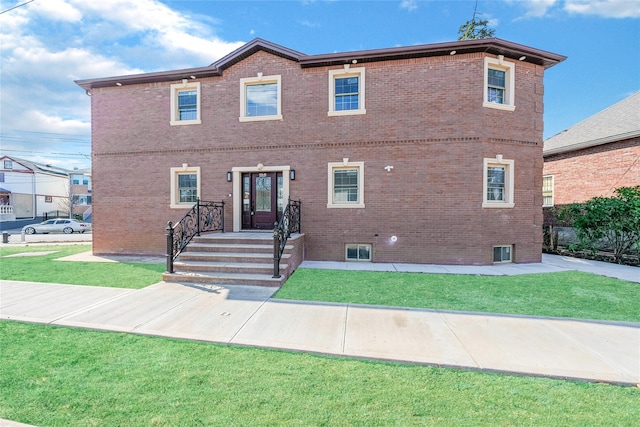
(46, 44)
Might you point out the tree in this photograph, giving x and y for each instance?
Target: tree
(476, 28)
(610, 222)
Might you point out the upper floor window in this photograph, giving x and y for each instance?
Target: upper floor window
(185, 103)
(261, 98)
(79, 179)
(498, 183)
(8, 164)
(499, 83)
(346, 91)
(547, 190)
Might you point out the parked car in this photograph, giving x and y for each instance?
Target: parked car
(58, 225)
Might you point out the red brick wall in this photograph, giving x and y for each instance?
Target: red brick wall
(424, 117)
(596, 171)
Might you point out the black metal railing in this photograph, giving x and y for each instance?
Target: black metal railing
(203, 217)
(289, 223)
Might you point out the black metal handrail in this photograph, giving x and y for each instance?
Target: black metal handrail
(289, 223)
(203, 217)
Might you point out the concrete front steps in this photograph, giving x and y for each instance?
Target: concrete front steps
(235, 259)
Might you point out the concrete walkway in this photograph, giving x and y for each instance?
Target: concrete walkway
(247, 315)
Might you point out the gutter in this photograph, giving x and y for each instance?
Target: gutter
(591, 143)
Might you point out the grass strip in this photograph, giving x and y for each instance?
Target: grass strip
(565, 294)
(57, 376)
(45, 268)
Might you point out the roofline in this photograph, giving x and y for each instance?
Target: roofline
(159, 76)
(494, 46)
(591, 143)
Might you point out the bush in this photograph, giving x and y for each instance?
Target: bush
(607, 222)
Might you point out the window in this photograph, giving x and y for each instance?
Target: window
(8, 164)
(547, 190)
(1, 176)
(185, 186)
(498, 180)
(499, 78)
(346, 185)
(260, 98)
(358, 252)
(76, 179)
(346, 91)
(185, 103)
(502, 254)
(82, 200)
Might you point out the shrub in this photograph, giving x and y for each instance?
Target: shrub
(609, 222)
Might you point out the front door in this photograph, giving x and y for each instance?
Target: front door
(261, 200)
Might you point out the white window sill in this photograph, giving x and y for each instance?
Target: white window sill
(181, 205)
(346, 113)
(498, 205)
(345, 206)
(185, 122)
(497, 106)
(260, 118)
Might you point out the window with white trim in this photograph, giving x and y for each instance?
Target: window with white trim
(498, 183)
(8, 164)
(499, 84)
(346, 91)
(185, 186)
(261, 98)
(502, 253)
(185, 103)
(547, 190)
(345, 185)
(358, 252)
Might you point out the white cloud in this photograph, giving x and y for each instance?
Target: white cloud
(56, 10)
(605, 8)
(409, 5)
(538, 8)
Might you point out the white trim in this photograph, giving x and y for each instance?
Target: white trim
(260, 79)
(509, 96)
(345, 164)
(185, 169)
(347, 72)
(509, 172)
(237, 188)
(185, 85)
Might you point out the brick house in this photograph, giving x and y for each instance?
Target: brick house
(420, 154)
(595, 156)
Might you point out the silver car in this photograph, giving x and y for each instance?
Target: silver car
(58, 225)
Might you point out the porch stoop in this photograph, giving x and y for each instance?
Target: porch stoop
(235, 259)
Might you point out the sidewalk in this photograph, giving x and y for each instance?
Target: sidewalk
(248, 315)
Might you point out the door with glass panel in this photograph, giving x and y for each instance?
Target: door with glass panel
(262, 202)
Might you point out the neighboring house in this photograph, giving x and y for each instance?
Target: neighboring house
(80, 192)
(421, 154)
(595, 156)
(31, 189)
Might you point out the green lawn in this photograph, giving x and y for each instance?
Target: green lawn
(566, 294)
(54, 376)
(45, 268)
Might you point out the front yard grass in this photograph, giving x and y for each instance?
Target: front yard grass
(57, 376)
(566, 294)
(45, 268)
